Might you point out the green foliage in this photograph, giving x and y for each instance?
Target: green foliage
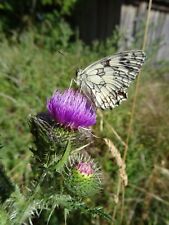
(53, 33)
(46, 17)
(25, 12)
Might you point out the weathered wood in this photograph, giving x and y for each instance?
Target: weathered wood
(97, 19)
(163, 52)
(128, 15)
(133, 19)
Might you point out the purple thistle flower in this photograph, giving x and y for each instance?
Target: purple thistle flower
(85, 168)
(72, 109)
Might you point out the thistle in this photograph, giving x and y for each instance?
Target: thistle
(68, 112)
(71, 109)
(62, 174)
(83, 177)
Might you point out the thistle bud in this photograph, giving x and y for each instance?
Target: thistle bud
(83, 178)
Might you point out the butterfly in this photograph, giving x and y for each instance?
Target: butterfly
(105, 82)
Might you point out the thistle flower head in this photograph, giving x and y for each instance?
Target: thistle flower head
(71, 109)
(83, 176)
(85, 168)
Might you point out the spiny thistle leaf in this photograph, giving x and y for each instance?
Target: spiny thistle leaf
(100, 212)
(72, 204)
(4, 216)
(21, 209)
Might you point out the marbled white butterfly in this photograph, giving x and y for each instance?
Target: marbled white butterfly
(105, 82)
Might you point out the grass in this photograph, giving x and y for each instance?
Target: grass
(29, 74)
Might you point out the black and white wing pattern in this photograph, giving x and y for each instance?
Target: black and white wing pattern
(106, 81)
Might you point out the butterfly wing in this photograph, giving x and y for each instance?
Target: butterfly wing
(106, 81)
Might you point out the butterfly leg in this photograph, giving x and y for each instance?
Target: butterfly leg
(71, 83)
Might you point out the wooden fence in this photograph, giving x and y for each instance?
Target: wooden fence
(132, 18)
(97, 19)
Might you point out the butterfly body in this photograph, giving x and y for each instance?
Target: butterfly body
(105, 82)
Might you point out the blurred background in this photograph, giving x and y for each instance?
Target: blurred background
(42, 43)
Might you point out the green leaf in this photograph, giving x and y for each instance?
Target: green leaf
(63, 161)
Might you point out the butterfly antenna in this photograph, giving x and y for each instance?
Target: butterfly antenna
(60, 51)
